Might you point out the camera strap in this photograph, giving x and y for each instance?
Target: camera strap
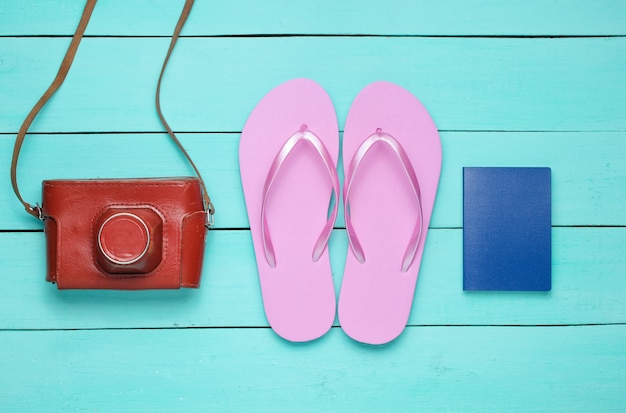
(35, 210)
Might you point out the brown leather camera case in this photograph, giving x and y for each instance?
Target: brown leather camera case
(124, 233)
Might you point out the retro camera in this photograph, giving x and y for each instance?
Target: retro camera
(124, 234)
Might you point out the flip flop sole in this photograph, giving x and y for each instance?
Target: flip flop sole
(298, 293)
(376, 295)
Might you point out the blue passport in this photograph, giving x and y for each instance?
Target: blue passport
(507, 224)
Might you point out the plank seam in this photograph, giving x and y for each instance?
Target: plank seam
(289, 35)
(232, 229)
(341, 131)
(333, 327)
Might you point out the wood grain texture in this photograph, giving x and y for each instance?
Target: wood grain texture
(434, 369)
(586, 170)
(212, 84)
(380, 17)
(516, 83)
(588, 280)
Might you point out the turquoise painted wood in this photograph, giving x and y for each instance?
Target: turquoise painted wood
(433, 369)
(517, 83)
(584, 176)
(348, 17)
(504, 84)
(588, 273)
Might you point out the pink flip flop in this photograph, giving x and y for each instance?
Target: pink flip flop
(287, 156)
(392, 162)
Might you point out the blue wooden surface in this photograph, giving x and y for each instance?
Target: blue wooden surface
(519, 83)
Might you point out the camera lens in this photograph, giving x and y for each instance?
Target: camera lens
(128, 241)
(124, 238)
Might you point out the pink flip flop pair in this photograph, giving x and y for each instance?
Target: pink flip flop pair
(288, 159)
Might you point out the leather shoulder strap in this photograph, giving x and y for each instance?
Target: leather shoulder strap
(56, 83)
(35, 210)
(208, 205)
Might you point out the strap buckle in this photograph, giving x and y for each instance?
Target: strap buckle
(210, 215)
(36, 211)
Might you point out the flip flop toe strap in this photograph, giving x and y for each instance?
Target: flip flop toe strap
(380, 137)
(302, 136)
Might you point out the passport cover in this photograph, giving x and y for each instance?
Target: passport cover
(507, 223)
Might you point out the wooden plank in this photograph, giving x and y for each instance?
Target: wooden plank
(390, 17)
(589, 287)
(212, 84)
(210, 349)
(588, 169)
(480, 369)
